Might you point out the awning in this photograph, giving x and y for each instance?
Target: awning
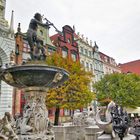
(132, 110)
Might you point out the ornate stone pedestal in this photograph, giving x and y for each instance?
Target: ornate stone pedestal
(69, 132)
(91, 133)
(35, 80)
(34, 123)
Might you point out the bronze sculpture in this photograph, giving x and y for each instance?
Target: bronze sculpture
(37, 50)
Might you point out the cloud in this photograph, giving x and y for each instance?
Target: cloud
(114, 24)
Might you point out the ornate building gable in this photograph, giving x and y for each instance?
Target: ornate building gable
(66, 45)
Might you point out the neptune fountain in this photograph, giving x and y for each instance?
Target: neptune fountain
(35, 79)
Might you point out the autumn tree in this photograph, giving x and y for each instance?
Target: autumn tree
(75, 92)
(124, 89)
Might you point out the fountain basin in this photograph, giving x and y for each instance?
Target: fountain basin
(34, 75)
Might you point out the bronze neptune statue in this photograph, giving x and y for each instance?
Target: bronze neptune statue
(37, 50)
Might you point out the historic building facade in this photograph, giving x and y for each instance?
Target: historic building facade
(90, 57)
(67, 47)
(98, 64)
(65, 43)
(7, 49)
(109, 64)
(86, 54)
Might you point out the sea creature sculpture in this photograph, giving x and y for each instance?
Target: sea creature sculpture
(106, 125)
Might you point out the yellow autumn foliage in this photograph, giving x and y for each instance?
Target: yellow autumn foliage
(75, 92)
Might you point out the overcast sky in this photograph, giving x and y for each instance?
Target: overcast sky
(113, 24)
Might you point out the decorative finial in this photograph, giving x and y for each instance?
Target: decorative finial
(87, 40)
(11, 29)
(82, 36)
(90, 43)
(18, 29)
(95, 43)
(74, 28)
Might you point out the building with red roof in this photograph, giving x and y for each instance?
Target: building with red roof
(131, 67)
(65, 43)
(109, 64)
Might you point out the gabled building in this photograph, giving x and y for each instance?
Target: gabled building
(67, 47)
(130, 67)
(65, 43)
(109, 64)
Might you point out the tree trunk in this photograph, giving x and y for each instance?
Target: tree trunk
(56, 119)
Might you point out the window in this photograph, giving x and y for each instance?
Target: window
(64, 52)
(105, 59)
(69, 41)
(87, 65)
(89, 53)
(82, 62)
(86, 51)
(50, 50)
(81, 50)
(73, 56)
(91, 67)
(99, 67)
(26, 47)
(96, 66)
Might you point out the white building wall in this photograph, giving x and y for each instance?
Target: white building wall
(5, 99)
(7, 44)
(86, 58)
(108, 69)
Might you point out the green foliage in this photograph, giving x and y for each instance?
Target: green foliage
(124, 89)
(75, 92)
